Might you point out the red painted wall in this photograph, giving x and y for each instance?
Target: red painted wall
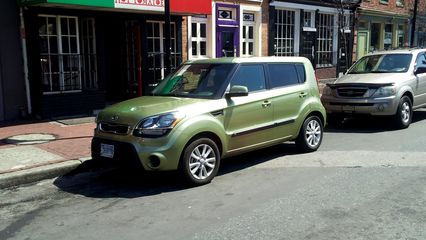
(191, 7)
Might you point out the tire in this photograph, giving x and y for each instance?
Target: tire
(404, 114)
(200, 161)
(310, 135)
(334, 119)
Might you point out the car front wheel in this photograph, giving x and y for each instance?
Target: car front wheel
(404, 113)
(200, 161)
(310, 135)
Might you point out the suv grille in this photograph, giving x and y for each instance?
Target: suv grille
(351, 91)
(114, 128)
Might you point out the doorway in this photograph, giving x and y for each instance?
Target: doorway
(362, 45)
(227, 42)
(133, 59)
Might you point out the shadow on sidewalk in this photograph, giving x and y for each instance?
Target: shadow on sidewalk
(100, 180)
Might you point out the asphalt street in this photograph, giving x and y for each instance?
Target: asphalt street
(367, 181)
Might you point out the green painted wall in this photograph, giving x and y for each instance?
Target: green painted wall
(91, 3)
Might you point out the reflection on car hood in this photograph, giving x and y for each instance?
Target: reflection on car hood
(370, 78)
(132, 111)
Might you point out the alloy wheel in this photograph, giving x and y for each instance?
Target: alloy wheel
(405, 112)
(202, 161)
(313, 133)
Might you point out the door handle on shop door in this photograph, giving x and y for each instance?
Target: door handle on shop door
(266, 104)
(303, 94)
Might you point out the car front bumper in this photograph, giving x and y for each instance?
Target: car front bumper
(372, 106)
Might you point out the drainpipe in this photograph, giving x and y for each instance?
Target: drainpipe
(25, 59)
(413, 27)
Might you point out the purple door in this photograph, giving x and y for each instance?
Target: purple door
(227, 44)
(227, 30)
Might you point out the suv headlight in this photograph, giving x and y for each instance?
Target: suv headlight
(327, 91)
(384, 91)
(158, 125)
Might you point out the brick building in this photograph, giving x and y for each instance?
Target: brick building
(382, 25)
(420, 32)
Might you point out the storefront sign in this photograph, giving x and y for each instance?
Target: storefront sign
(151, 5)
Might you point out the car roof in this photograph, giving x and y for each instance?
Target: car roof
(250, 60)
(399, 51)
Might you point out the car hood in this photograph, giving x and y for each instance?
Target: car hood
(132, 111)
(370, 78)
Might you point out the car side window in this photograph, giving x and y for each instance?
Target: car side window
(252, 76)
(286, 74)
(421, 60)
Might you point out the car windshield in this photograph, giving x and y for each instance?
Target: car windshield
(382, 63)
(195, 81)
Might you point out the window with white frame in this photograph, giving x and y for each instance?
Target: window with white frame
(59, 53)
(325, 39)
(156, 41)
(248, 34)
(308, 19)
(285, 28)
(199, 37)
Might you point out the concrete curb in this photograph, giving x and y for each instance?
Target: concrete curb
(38, 173)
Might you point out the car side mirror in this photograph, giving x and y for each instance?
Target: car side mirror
(420, 70)
(237, 91)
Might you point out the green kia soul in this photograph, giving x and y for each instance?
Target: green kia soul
(211, 109)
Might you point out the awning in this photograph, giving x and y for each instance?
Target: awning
(181, 7)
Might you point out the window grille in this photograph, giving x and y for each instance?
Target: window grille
(285, 28)
(325, 40)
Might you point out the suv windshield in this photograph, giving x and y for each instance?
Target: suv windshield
(195, 81)
(382, 63)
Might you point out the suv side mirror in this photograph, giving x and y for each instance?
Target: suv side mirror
(237, 91)
(420, 70)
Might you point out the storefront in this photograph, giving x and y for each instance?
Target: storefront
(84, 54)
(321, 32)
(234, 29)
(381, 30)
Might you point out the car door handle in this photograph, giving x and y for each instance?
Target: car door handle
(303, 94)
(266, 104)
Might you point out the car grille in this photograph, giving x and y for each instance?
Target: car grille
(351, 92)
(114, 128)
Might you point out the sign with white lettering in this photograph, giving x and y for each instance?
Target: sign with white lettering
(151, 5)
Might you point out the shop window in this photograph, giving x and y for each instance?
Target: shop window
(199, 38)
(59, 54)
(388, 37)
(156, 41)
(248, 35)
(325, 40)
(284, 38)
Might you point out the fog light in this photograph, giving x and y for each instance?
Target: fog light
(381, 107)
(154, 161)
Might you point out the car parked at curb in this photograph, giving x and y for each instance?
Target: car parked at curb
(211, 109)
(388, 83)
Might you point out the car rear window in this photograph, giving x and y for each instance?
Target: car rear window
(286, 74)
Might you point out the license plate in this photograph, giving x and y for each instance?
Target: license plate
(107, 150)
(348, 108)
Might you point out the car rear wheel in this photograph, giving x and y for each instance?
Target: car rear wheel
(200, 161)
(404, 113)
(310, 135)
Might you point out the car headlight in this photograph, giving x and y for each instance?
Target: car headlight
(327, 91)
(385, 91)
(159, 125)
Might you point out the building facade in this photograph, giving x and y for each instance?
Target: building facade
(420, 31)
(83, 54)
(382, 25)
(320, 31)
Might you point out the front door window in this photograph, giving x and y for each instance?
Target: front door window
(228, 49)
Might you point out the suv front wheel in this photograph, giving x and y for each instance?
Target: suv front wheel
(200, 161)
(404, 114)
(310, 135)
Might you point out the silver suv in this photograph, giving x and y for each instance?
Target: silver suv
(391, 83)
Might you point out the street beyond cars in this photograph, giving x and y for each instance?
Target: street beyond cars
(211, 109)
(391, 83)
